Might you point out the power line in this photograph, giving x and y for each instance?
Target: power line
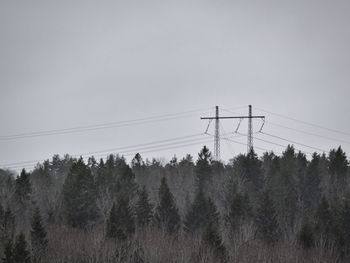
(308, 133)
(294, 129)
(305, 122)
(110, 125)
(128, 153)
(118, 148)
(241, 143)
(277, 144)
(127, 149)
(294, 142)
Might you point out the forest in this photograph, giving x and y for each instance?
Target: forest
(267, 208)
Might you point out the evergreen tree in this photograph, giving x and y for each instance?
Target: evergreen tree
(120, 224)
(203, 169)
(338, 164)
(202, 212)
(8, 252)
(338, 167)
(343, 229)
(20, 252)
(212, 239)
(143, 209)
(125, 185)
(284, 190)
(137, 161)
(265, 220)
(2, 213)
(79, 196)
(117, 177)
(23, 187)
(253, 174)
(324, 220)
(306, 238)
(239, 211)
(7, 225)
(311, 188)
(38, 237)
(166, 213)
(2, 217)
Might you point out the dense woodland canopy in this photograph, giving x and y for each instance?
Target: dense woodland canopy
(254, 209)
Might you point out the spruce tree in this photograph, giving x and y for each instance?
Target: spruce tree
(23, 187)
(137, 161)
(306, 237)
(20, 252)
(338, 165)
(253, 174)
(7, 224)
(2, 213)
(201, 213)
(343, 227)
(166, 213)
(120, 224)
(125, 185)
(8, 252)
(143, 208)
(212, 239)
(239, 211)
(338, 168)
(79, 196)
(203, 170)
(38, 237)
(265, 220)
(2, 217)
(283, 188)
(324, 220)
(311, 191)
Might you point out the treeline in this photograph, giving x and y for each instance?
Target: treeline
(270, 209)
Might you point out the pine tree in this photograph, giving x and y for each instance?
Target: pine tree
(143, 209)
(201, 213)
(38, 237)
(265, 220)
(8, 252)
(20, 252)
(166, 214)
(79, 196)
(120, 224)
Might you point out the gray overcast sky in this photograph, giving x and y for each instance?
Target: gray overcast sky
(71, 63)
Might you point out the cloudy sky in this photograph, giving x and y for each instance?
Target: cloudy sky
(67, 64)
